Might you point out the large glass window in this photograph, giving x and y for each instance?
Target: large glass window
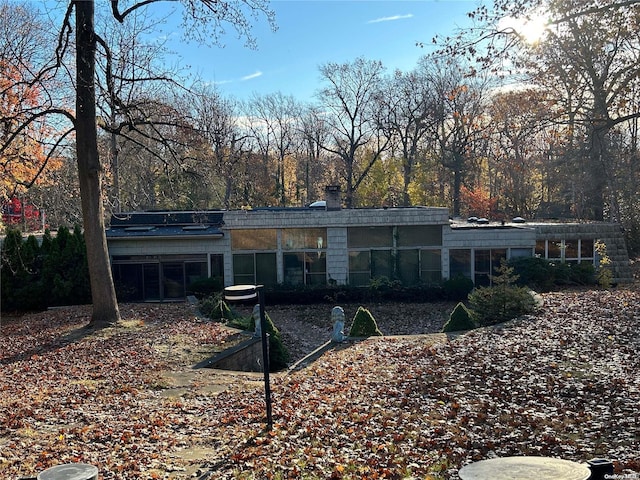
(173, 280)
(305, 268)
(367, 237)
(217, 267)
(586, 249)
(485, 264)
(482, 268)
(128, 281)
(520, 252)
(254, 268)
(195, 271)
(244, 269)
(431, 266)
(571, 249)
(554, 249)
(266, 270)
(409, 266)
(359, 268)
(151, 275)
(307, 238)
(256, 239)
(381, 264)
(460, 263)
(419, 235)
(149, 278)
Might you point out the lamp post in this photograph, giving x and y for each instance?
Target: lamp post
(248, 292)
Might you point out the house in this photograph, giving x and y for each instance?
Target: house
(156, 255)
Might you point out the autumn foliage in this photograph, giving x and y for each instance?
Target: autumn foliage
(22, 135)
(478, 203)
(562, 382)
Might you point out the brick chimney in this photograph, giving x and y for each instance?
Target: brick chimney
(333, 197)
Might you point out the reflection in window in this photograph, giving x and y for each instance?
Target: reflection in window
(419, 235)
(381, 264)
(255, 268)
(586, 249)
(409, 266)
(431, 266)
(364, 237)
(359, 268)
(460, 263)
(304, 238)
(571, 248)
(173, 280)
(486, 264)
(554, 249)
(305, 268)
(257, 239)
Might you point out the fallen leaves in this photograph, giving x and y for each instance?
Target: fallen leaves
(560, 383)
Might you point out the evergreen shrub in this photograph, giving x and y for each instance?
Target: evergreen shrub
(215, 308)
(278, 354)
(545, 275)
(460, 319)
(364, 325)
(36, 275)
(501, 302)
(457, 288)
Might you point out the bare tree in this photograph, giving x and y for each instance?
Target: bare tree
(273, 121)
(222, 144)
(315, 167)
(408, 112)
(349, 100)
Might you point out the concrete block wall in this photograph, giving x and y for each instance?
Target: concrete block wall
(337, 260)
(489, 237)
(300, 218)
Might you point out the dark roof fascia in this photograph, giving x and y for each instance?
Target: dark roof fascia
(163, 233)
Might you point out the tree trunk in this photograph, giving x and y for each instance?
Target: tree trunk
(105, 305)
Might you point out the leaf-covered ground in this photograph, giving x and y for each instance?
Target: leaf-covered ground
(562, 383)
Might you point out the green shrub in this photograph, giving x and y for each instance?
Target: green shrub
(491, 305)
(21, 284)
(364, 325)
(457, 288)
(37, 276)
(215, 308)
(501, 302)
(535, 272)
(545, 275)
(460, 319)
(278, 354)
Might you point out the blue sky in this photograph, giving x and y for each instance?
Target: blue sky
(312, 32)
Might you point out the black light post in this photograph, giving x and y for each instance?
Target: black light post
(248, 292)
